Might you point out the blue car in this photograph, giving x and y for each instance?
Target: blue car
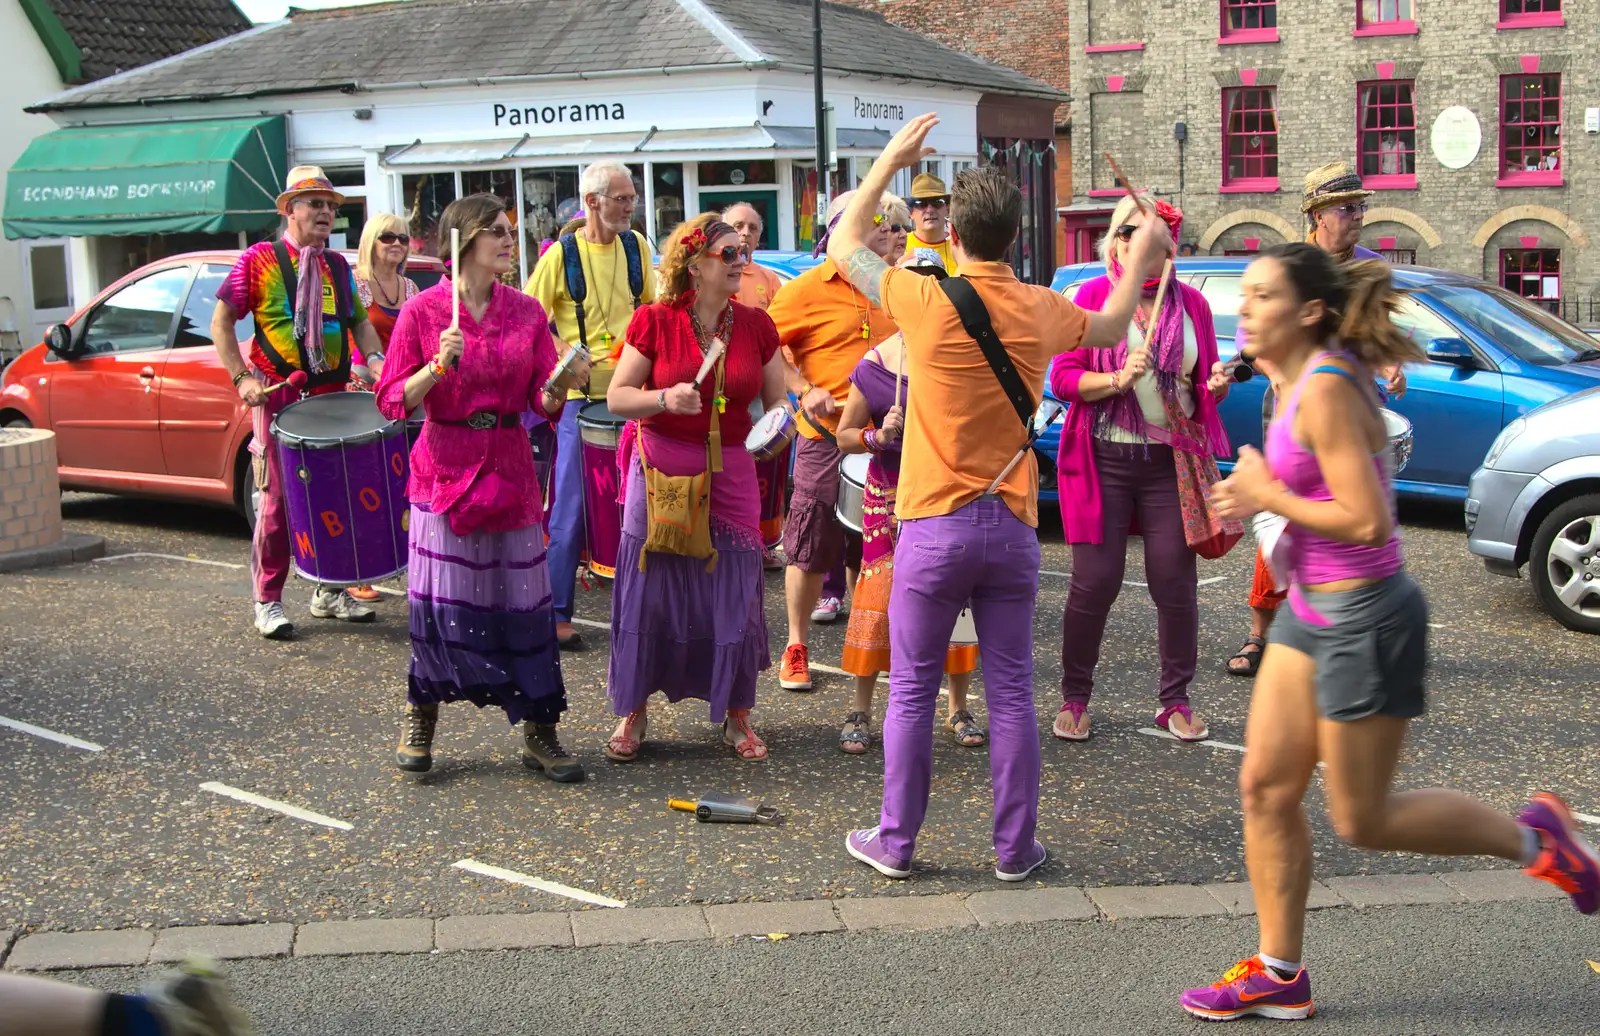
(1492, 357)
(787, 265)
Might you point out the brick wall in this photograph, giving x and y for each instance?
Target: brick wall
(30, 491)
(1455, 219)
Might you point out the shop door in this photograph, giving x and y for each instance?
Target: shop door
(715, 199)
(47, 275)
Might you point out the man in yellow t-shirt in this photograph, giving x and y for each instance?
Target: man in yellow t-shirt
(930, 219)
(612, 287)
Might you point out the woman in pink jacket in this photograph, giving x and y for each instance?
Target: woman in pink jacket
(1117, 473)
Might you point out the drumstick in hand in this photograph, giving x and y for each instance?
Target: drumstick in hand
(455, 285)
(713, 354)
(296, 380)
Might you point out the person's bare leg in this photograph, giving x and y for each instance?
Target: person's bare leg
(1362, 756)
(1261, 620)
(800, 592)
(1281, 738)
(32, 1006)
(960, 688)
(865, 687)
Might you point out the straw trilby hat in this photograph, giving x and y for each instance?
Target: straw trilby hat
(926, 185)
(1333, 184)
(306, 179)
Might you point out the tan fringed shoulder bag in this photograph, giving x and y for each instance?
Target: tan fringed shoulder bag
(679, 506)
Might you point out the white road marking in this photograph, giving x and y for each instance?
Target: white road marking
(1131, 582)
(1155, 732)
(1436, 625)
(591, 623)
(51, 735)
(273, 804)
(1586, 818)
(390, 591)
(169, 557)
(1048, 572)
(554, 888)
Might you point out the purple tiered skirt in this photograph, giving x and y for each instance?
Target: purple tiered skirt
(683, 631)
(482, 625)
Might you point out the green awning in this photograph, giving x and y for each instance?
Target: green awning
(149, 178)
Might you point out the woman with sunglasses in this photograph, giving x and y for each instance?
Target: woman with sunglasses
(685, 626)
(899, 224)
(482, 626)
(1118, 471)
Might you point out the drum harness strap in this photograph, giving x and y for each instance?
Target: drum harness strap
(343, 307)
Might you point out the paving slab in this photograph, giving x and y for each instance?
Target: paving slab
(50, 951)
(224, 942)
(730, 920)
(1021, 906)
(343, 938)
(1369, 890)
(906, 913)
(611, 927)
(503, 931)
(1240, 898)
(1499, 886)
(1123, 901)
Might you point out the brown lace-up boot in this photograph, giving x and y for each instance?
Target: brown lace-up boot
(415, 753)
(542, 750)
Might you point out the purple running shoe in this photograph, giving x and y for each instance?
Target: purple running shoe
(1251, 988)
(865, 846)
(1566, 860)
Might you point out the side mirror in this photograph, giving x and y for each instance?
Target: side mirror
(1453, 351)
(58, 339)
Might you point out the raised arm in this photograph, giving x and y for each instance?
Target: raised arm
(847, 243)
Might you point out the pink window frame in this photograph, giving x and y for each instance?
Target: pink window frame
(1530, 20)
(1226, 36)
(1113, 48)
(1249, 184)
(1386, 181)
(1393, 27)
(1507, 252)
(1507, 177)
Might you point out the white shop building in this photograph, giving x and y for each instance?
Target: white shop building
(408, 106)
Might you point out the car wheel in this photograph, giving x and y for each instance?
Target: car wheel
(16, 422)
(246, 493)
(1565, 564)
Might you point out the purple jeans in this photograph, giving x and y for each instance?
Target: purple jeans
(984, 554)
(1134, 482)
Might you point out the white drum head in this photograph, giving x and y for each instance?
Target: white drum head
(1394, 425)
(766, 429)
(854, 468)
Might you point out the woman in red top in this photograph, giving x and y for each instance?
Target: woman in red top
(676, 627)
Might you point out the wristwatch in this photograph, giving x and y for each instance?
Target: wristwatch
(661, 400)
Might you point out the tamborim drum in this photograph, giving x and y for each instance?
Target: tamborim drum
(344, 468)
(850, 510)
(600, 429)
(1400, 436)
(772, 434)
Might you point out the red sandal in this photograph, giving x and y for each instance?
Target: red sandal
(623, 747)
(750, 747)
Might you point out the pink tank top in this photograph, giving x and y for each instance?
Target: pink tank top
(1313, 558)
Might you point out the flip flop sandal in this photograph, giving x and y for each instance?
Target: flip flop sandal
(1076, 712)
(1252, 659)
(624, 749)
(962, 726)
(858, 740)
(750, 748)
(1164, 721)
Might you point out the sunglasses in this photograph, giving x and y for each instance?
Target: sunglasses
(390, 238)
(729, 254)
(1352, 209)
(929, 203)
(495, 230)
(317, 204)
(1125, 232)
(900, 228)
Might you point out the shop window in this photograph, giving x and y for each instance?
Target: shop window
(1385, 18)
(502, 183)
(1399, 256)
(1030, 164)
(1250, 139)
(737, 174)
(1530, 14)
(425, 196)
(549, 200)
(667, 183)
(1249, 21)
(1388, 137)
(1530, 130)
(1533, 273)
(803, 181)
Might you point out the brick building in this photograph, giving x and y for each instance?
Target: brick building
(1473, 120)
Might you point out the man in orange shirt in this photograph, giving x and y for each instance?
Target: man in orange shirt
(826, 326)
(958, 540)
(758, 286)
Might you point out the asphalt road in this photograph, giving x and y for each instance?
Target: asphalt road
(156, 660)
(1498, 970)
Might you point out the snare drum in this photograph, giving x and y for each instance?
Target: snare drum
(1398, 429)
(345, 468)
(600, 430)
(772, 434)
(850, 510)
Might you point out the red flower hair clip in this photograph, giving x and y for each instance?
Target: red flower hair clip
(1171, 215)
(695, 239)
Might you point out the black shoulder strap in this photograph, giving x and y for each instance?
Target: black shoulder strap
(630, 250)
(975, 318)
(577, 287)
(291, 284)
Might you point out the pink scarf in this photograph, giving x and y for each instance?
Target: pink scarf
(308, 308)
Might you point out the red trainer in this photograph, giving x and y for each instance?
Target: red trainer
(796, 672)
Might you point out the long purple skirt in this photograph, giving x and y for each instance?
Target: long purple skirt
(683, 631)
(482, 625)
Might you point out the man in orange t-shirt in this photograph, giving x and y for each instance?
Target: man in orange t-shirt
(826, 326)
(958, 540)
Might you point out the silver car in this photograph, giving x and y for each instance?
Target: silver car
(1536, 502)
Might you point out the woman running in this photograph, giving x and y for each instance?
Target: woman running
(1342, 675)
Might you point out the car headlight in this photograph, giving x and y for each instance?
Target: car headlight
(1503, 441)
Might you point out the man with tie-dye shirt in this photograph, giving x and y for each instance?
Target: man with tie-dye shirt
(318, 346)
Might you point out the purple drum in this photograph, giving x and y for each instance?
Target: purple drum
(600, 429)
(542, 437)
(344, 468)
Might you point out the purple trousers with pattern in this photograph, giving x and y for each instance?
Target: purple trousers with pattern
(984, 554)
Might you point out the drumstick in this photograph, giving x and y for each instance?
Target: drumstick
(1127, 184)
(712, 355)
(455, 277)
(899, 370)
(296, 380)
(995, 485)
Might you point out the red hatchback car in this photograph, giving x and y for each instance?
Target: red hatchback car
(133, 389)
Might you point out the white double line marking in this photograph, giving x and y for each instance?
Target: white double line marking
(51, 735)
(552, 887)
(168, 557)
(287, 810)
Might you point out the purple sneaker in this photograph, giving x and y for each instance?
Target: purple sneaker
(1566, 860)
(1251, 988)
(1020, 871)
(865, 846)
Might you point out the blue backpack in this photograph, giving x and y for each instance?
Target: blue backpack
(578, 288)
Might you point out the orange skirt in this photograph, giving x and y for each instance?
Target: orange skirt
(1264, 594)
